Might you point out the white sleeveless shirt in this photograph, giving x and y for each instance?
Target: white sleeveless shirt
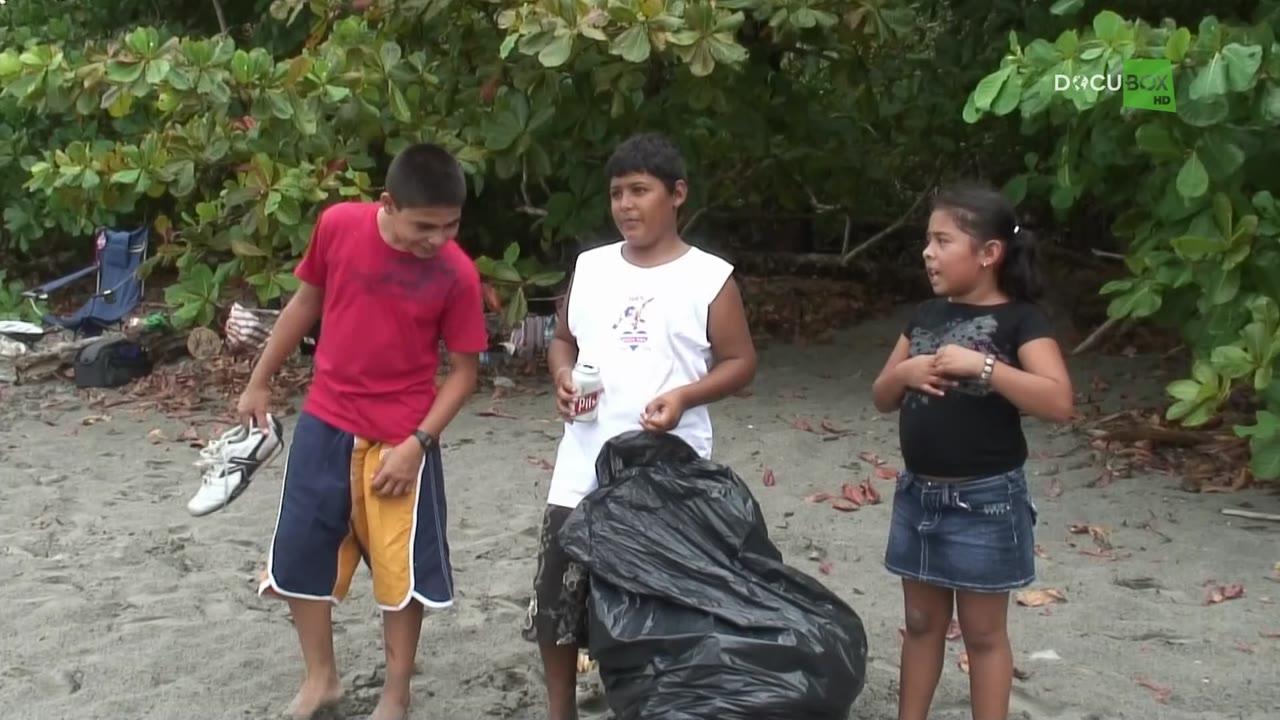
(646, 329)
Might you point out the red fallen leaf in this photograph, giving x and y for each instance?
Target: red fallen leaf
(1040, 553)
(818, 497)
(872, 495)
(539, 462)
(1159, 693)
(1244, 647)
(844, 505)
(1270, 635)
(870, 457)
(190, 435)
(824, 567)
(1103, 480)
(884, 472)
(953, 630)
(802, 424)
(1223, 593)
(964, 662)
(769, 478)
(853, 494)
(1103, 554)
(1055, 488)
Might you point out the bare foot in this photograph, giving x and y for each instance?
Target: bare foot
(390, 709)
(314, 697)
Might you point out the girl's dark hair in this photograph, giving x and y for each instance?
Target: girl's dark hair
(986, 214)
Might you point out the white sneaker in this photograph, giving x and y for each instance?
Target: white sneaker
(230, 461)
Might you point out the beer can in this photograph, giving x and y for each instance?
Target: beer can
(587, 403)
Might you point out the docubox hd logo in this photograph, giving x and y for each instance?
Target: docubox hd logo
(1147, 84)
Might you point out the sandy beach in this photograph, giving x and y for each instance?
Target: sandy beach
(115, 603)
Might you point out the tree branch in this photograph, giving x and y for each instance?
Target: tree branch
(902, 219)
(222, 18)
(697, 214)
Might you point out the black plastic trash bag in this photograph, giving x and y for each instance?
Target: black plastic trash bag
(693, 614)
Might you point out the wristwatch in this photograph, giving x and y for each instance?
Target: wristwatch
(425, 439)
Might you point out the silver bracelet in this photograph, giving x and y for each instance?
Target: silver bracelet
(988, 367)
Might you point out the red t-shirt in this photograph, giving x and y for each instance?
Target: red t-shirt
(385, 312)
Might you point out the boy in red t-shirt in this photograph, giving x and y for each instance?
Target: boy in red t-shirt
(363, 477)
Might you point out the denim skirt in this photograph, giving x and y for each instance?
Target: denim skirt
(973, 534)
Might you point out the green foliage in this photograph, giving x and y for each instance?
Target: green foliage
(231, 150)
(513, 277)
(1189, 189)
(15, 307)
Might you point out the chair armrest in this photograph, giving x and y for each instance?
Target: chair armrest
(42, 291)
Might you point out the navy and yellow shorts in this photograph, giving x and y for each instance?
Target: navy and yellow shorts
(330, 519)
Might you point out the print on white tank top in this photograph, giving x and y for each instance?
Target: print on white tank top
(646, 329)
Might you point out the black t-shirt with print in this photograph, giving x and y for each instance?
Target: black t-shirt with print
(973, 430)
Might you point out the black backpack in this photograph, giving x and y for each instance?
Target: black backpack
(111, 362)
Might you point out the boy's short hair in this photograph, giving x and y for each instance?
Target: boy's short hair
(426, 175)
(647, 153)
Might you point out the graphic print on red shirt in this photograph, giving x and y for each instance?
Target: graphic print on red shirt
(385, 312)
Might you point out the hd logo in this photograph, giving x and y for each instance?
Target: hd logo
(1147, 84)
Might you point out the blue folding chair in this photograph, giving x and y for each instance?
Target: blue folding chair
(117, 257)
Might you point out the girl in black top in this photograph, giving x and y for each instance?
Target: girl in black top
(969, 362)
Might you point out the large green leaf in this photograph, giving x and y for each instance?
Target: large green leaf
(632, 44)
(558, 51)
(1241, 63)
(989, 87)
(1231, 362)
(1193, 179)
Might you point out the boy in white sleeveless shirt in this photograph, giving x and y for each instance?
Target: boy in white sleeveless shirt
(666, 326)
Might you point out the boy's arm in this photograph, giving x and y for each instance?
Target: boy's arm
(464, 371)
(562, 353)
(298, 317)
(731, 347)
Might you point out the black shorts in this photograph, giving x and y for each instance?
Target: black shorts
(558, 610)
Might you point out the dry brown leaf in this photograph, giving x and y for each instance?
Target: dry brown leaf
(832, 428)
(539, 462)
(844, 505)
(802, 425)
(1101, 536)
(156, 436)
(1159, 693)
(884, 472)
(870, 457)
(95, 419)
(953, 630)
(1040, 553)
(1270, 635)
(964, 662)
(1039, 598)
(1222, 593)
(818, 497)
(1055, 488)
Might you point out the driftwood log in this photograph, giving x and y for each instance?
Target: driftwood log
(45, 363)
